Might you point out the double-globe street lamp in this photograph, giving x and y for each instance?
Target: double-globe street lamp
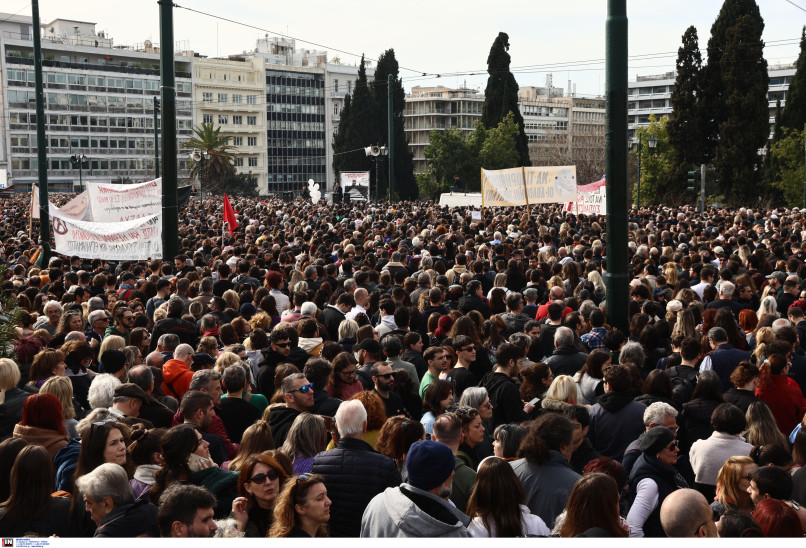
(78, 162)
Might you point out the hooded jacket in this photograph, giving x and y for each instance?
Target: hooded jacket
(505, 397)
(616, 420)
(34, 435)
(280, 421)
(393, 514)
(176, 378)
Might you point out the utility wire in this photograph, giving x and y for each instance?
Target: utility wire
(794, 4)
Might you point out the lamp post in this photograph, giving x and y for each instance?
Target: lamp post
(374, 153)
(200, 156)
(637, 145)
(78, 161)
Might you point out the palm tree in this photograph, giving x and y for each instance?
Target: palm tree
(219, 165)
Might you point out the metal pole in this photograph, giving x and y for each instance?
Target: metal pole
(616, 163)
(42, 151)
(170, 213)
(804, 167)
(201, 177)
(80, 172)
(156, 139)
(390, 107)
(377, 174)
(639, 174)
(702, 188)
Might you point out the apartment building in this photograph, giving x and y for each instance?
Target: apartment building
(99, 101)
(438, 108)
(231, 94)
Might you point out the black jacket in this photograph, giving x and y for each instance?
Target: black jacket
(138, 518)
(159, 415)
(186, 332)
(332, 317)
(324, 404)
(740, 398)
(280, 421)
(505, 397)
(354, 473)
(11, 410)
(237, 415)
(566, 360)
(55, 520)
(474, 302)
(665, 477)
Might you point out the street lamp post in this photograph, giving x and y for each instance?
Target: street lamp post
(200, 156)
(78, 161)
(638, 146)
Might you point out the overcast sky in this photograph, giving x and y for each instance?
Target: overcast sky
(441, 37)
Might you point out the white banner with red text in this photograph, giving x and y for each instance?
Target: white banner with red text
(136, 239)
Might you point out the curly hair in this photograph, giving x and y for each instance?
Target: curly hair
(376, 410)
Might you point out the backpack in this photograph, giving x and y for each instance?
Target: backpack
(683, 383)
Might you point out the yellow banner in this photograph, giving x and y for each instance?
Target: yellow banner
(503, 187)
(550, 184)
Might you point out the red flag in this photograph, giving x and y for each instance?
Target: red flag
(229, 216)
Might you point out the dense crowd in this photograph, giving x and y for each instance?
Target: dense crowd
(402, 370)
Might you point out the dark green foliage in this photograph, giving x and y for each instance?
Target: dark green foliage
(713, 87)
(745, 127)
(794, 114)
(241, 184)
(501, 94)
(686, 124)
(405, 186)
(340, 161)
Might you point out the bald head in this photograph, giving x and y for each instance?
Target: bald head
(685, 513)
(361, 297)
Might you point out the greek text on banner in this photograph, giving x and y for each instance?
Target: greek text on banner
(127, 240)
(115, 203)
(527, 186)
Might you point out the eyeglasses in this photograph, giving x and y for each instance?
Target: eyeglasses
(282, 345)
(385, 376)
(106, 320)
(305, 388)
(350, 373)
(99, 424)
(260, 479)
(672, 446)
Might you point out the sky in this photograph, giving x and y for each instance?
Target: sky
(447, 38)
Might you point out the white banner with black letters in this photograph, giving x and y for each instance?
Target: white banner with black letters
(139, 238)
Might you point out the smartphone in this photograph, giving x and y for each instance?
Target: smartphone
(534, 401)
(196, 463)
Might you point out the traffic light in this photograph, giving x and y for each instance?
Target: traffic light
(692, 182)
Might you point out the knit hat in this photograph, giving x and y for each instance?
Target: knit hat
(112, 361)
(429, 463)
(655, 440)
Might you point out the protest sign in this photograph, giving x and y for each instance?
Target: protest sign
(591, 199)
(502, 187)
(526, 186)
(115, 203)
(128, 240)
(355, 185)
(76, 209)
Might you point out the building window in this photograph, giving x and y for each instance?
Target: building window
(237, 162)
(237, 120)
(349, 86)
(251, 120)
(253, 162)
(207, 96)
(336, 110)
(237, 141)
(223, 119)
(222, 97)
(336, 86)
(207, 119)
(251, 99)
(252, 141)
(237, 98)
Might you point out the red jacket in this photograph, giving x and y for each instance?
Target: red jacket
(176, 378)
(785, 400)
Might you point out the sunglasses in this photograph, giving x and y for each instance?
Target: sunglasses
(469, 411)
(304, 389)
(282, 345)
(672, 446)
(385, 376)
(469, 349)
(260, 479)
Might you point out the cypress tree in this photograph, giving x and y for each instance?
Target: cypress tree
(746, 124)
(501, 95)
(685, 126)
(339, 140)
(405, 186)
(713, 88)
(794, 114)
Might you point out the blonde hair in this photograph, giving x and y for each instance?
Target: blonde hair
(563, 388)
(9, 376)
(224, 360)
(62, 388)
(112, 342)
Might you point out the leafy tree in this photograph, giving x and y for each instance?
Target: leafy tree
(242, 184)
(501, 94)
(713, 88)
(405, 185)
(686, 125)
(219, 165)
(429, 187)
(447, 155)
(745, 128)
(499, 145)
(655, 163)
(788, 154)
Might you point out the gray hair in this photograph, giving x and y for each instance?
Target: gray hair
(347, 329)
(109, 480)
(522, 340)
(51, 304)
(632, 352)
(350, 418)
(655, 413)
(308, 308)
(727, 289)
(75, 336)
(564, 336)
(349, 283)
(202, 378)
(84, 425)
(718, 334)
(288, 382)
(779, 324)
(473, 397)
(95, 303)
(96, 315)
(102, 390)
(182, 351)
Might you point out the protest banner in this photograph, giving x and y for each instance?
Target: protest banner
(550, 184)
(355, 185)
(76, 209)
(503, 187)
(591, 199)
(139, 238)
(115, 203)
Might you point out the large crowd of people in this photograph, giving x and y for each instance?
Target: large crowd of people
(406, 370)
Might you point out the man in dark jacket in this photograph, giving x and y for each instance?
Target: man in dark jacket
(566, 358)
(616, 419)
(284, 347)
(151, 410)
(298, 395)
(724, 359)
(174, 323)
(317, 371)
(354, 472)
(474, 300)
(237, 413)
(515, 319)
(332, 316)
(504, 395)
